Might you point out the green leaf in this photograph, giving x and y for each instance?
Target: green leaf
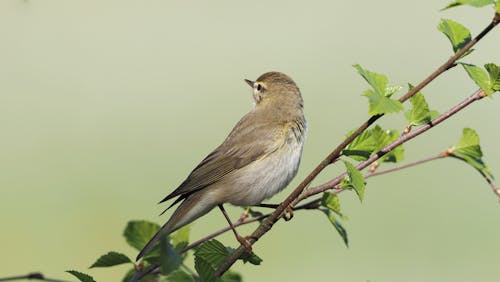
(111, 259)
(340, 229)
(377, 81)
(204, 269)
(213, 252)
(379, 104)
(420, 113)
(137, 233)
(469, 150)
(147, 278)
(355, 180)
(391, 90)
(458, 35)
(474, 3)
(479, 76)
(383, 138)
(494, 74)
(180, 276)
(81, 276)
(251, 258)
(361, 147)
(331, 201)
(170, 259)
(497, 7)
(180, 238)
(231, 276)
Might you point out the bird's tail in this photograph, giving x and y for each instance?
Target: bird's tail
(189, 210)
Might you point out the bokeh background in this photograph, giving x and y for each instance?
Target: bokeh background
(105, 107)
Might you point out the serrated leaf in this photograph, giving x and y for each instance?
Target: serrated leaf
(180, 238)
(111, 259)
(250, 258)
(180, 276)
(231, 276)
(212, 251)
(377, 81)
(420, 113)
(204, 270)
(383, 138)
(479, 76)
(355, 180)
(361, 147)
(494, 74)
(458, 35)
(331, 201)
(379, 104)
(474, 3)
(138, 232)
(469, 150)
(81, 276)
(170, 259)
(340, 229)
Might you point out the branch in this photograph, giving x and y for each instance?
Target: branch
(273, 218)
(389, 170)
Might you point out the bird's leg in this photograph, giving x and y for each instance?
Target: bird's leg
(244, 241)
(288, 214)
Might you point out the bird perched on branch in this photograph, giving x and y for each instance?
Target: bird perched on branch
(258, 158)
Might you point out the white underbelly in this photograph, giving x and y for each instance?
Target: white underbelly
(265, 177)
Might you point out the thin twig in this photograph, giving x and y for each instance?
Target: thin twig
(396, 168)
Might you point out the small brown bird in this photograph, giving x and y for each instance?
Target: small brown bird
(258, 159)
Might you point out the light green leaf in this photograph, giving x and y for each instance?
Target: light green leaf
(231, 276)
(479, 76)
(111, 259)
(377, 81)
(81, 276)
(340, 229)
(204, 269)
(180, 238)
(138, 232)
(474, 3)
(382, 139)
(497, 7)
(331, 201)
(494, 74)
(379, 104)
(180, 276)
(458, 35)
(355, 180)
(361, 147)
(391, 90)
(212, 252)
(419, 113)
(170, 259)
(469, 150)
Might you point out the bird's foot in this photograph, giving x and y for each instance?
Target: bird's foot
(245, 242)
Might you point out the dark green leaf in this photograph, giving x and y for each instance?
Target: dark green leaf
(180, 276)
(355, 180)
(170, 259)
(251, 258)
(110, 259)
(469, 150)
(458, 35)
(204, 269)
(146, 278)
(137, 233)
(331, 201)
(479, 76)
(340, 229)
(231, 276)
(212, 252)
(494, 74)
(81, 276)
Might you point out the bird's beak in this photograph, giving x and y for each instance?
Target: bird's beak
(249, 82)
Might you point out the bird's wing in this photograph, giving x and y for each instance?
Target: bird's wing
(245, 144)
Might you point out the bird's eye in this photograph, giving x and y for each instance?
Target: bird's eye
(259, 87)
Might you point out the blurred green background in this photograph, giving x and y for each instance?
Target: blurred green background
(106, 106)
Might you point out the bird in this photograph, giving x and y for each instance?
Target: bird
(259, 158)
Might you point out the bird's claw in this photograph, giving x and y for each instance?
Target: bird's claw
(245, 243)
(288, 213)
